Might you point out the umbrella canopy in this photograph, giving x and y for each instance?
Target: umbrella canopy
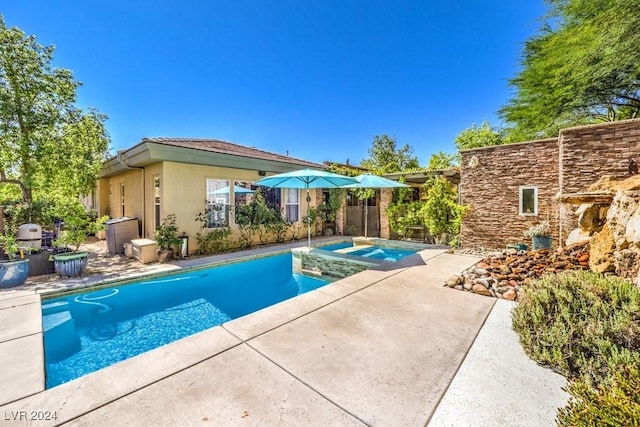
(236, 190)
(373, 181)
(306, 179)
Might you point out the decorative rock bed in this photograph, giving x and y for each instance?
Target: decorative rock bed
(502, 274)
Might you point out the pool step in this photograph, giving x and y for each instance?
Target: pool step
(61, 338)
(54, 307)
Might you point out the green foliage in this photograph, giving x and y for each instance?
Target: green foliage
(614, 403)
(166, 234)
(582, 324)
(442, 161)
(45, 140)
(329, 210)
(78, 224)
(213, 241)
(385, 158)
(279, 229)
(402, 215)
(9, 245)
(38, 212)
(482, 136)
(441, 212)
(581, 68)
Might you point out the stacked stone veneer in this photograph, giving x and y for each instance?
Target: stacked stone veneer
(490, 183)
(329, 263)
(567, 164)
(590, 152)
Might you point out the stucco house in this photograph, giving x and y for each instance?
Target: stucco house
(188, 176)
(510, 187)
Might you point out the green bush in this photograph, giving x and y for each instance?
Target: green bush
(587, 327)
(612, 404)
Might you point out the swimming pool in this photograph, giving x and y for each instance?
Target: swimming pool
(89, 331)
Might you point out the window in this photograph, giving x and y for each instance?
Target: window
(528, 201)
(291, 204)
(156, 200)
(122, 197)
(217, 205)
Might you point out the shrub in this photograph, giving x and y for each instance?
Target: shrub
(587, 327)
(612, 404)
(580, 323)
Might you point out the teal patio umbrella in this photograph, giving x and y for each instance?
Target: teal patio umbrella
(306, 179)
(236, 190)
(368, 180)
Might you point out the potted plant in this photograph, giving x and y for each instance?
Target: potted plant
(78, 224)
(540, 235)
(12, 272)
(167, 238)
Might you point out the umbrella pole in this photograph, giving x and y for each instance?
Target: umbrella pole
(308, 220)
(366, 214)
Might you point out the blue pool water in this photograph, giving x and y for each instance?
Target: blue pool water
(387, 254)
(377, 252)
(89, 331)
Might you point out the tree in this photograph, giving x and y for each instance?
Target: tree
(385, 158)
(582, 69)
(441, 212)
(442, 160)
(482, 136)
(45, 140)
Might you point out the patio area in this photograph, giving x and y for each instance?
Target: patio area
(387, 346)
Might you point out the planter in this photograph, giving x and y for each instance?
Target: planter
(72, 264)
(13, 273)
(541, 242)
(165, 255)
(40, 264)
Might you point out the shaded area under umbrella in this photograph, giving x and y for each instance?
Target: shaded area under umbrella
(306, 179)
(368, 180)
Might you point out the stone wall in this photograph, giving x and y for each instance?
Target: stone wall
(386, 195)
(490, 181)
(590, 152)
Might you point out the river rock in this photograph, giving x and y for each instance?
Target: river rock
(453, 281)
(578, 236)
(481, 289)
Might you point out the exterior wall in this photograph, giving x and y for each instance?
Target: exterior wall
(149, 206)
(102, 196)
(183, 193)
(589, 152)
(133, 207)
(491, 190)
(386, 195)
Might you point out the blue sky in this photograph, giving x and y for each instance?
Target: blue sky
(316, 79)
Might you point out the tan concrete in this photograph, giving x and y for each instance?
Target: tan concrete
(239, 387)
(17, 300)
(490, 389)
(87, 393)
(385, 354)
(20, 320)
(22, 373)
(261, 321)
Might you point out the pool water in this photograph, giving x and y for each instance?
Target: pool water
(89, 331)
(376, 252)
(387, 254)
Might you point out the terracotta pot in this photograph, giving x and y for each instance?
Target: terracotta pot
(165, 255)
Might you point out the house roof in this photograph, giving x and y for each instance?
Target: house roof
(212, 152)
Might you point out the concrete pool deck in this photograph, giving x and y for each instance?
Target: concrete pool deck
(386, 346)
